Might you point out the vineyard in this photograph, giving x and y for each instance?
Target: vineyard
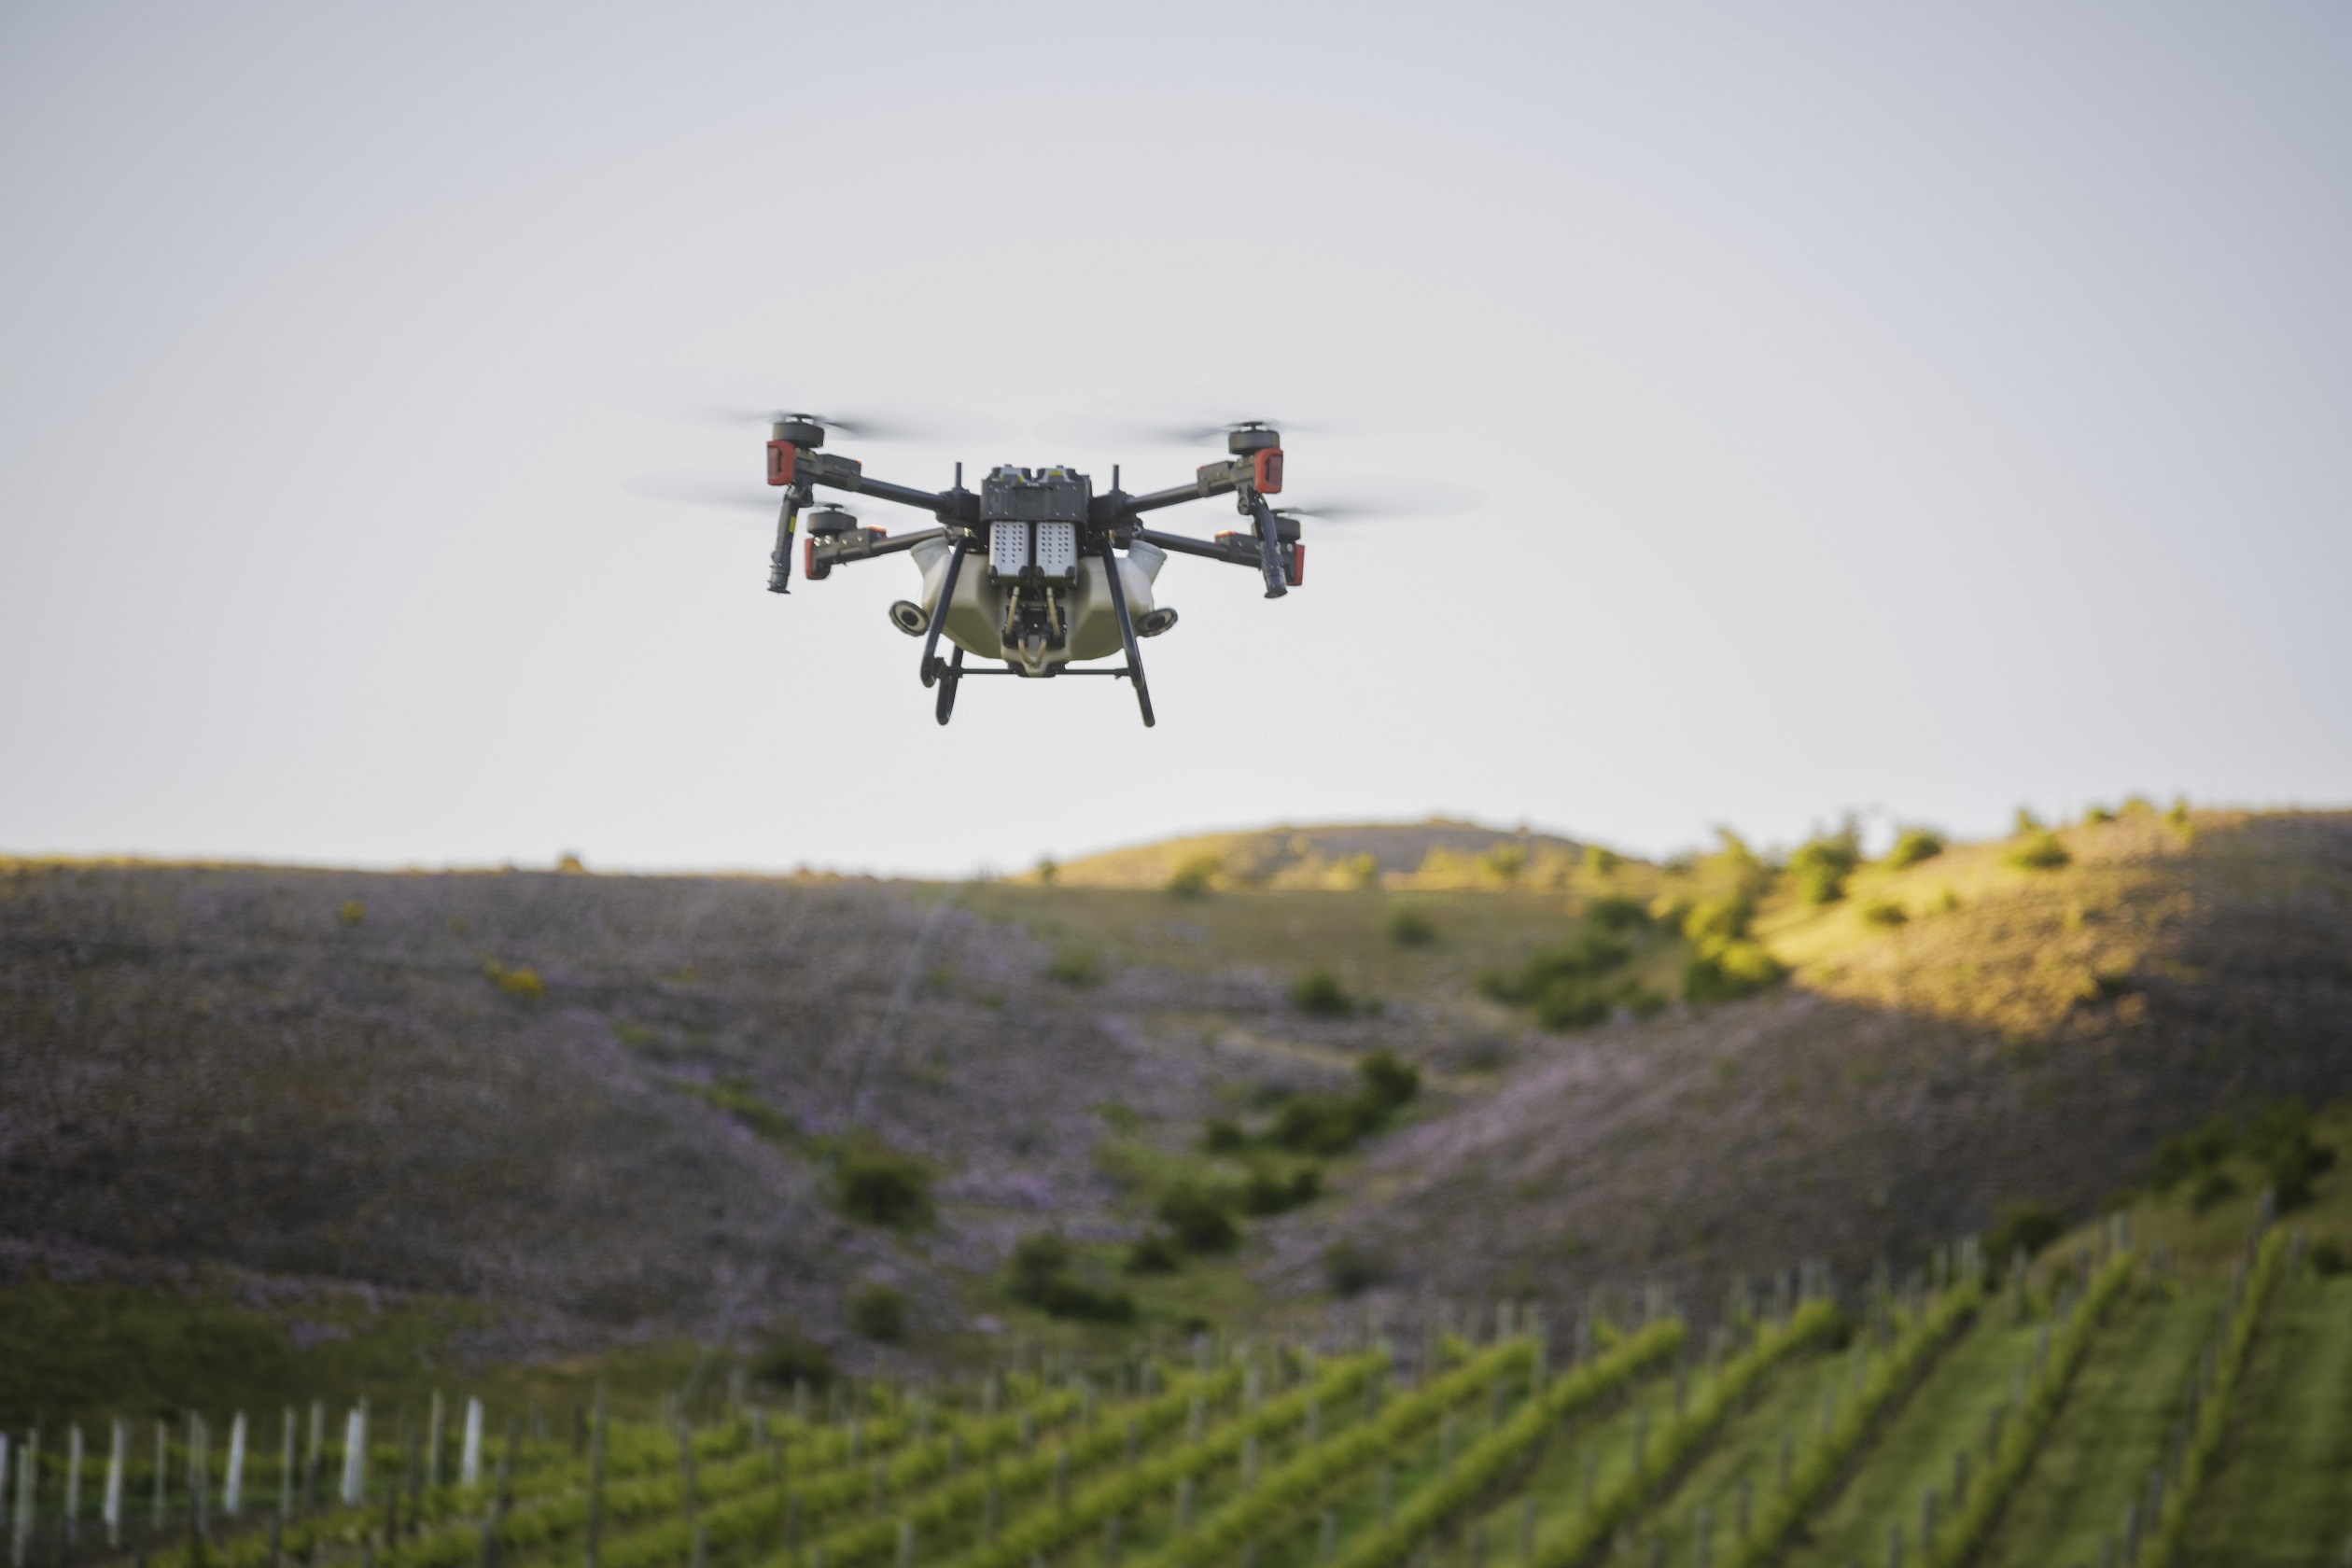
(2091, 1406)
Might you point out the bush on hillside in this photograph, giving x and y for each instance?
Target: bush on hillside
(1267, 1194)
(515, 982)
(1725, 972)
(1197, 1221)
(1351, 1268)
(352, 913)
(1154, 1252)
(1713, 922)
(1222, 1137)
(786, 1356)
(2024, 1227)
(2038, 851)
(2098, 814)
(2280, 1139)
(1599, 861)
(1329, 1125)
(1504, 862)
(1318, 992)
(1912, 846)
(1076, 968)
(1196, 876)
(2025, 824)
(1039, 1275)
(1409, 926)
(879, 1313)
(1882, 913)
(875, 1184)
(1615, 912)
(2184, 1155)
(1821, 866)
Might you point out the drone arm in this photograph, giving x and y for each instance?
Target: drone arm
(1179, 544)
(860, 544)
(1174, 495)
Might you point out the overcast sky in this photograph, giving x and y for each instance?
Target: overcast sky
(1875, 408)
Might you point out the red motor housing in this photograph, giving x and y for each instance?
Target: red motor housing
(782, 454)
(1295, 567)
(1267, 472)
(809, 562)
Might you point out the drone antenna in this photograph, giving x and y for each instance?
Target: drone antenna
(1115, 479)
(958, 476)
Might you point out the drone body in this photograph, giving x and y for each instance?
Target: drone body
(1036, 570)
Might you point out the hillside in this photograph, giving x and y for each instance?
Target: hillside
(334, 1076)
(1436, 853)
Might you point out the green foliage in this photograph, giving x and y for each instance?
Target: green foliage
(515, 982)
(1825, 1462)
(2098, 814)
(1318, 992)
(1599, 861)
(352, 913)
(2213, 1414)
(2024, 1227)
(1912, 846)
(1409, 926)
(2025, 824)
(1725, 972)
(2327, 1258)
(2037, 851)
(1039, 1275)
(740, 1099)
(2212, 1188)
(879, 1313)
(1361, 870)
(2189, 1153)
(1615, 912)
(1504, 862)
(1266, 1194)
(1076, 967)
(1962, 1533)
(787, 1357)
(1154, 1252)
(1882, 913)
(2280, 1139)
(1197, 1220)
(1329, 1125)
(1820, 867)
(1223, 1137)
(1047, 871)
(1713, 922)
(875, 1184)
(1196, 875)
(1351, 1268)
(1570, 986)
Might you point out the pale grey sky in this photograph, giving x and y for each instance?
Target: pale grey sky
(1892, 408)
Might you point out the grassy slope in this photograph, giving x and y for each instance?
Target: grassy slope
(2096, 1456)
(1914, 1450)
(2280, 1496)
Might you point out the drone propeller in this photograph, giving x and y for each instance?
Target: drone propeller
(926, 426)
(1112, 432)
(700, 487)
(1392, 499)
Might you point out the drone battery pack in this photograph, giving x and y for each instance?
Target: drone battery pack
(1267, 472)
(781, 456)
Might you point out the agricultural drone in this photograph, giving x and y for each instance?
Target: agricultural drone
(1036, 570)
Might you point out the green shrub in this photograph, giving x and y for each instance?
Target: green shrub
(1197, 1220)
(875, 1184)
(1318, 992)
(1713, 922)
(1821, 866)
(787, 1357)
(1882, 913)
(2026, 823)
(1409, 926)
(1361, 870)
(2326, 1259)
(1728, 971)
(2096, 815)
(1615, 912)
(1047, 871)
(1077, 967)
(1912, 846)
(2037, 851)
(1039, 1275)
(1599, 861)
(1389, 1085)
(2213, 1186)
(1567, 968)
(516, 982)
(2024, 1227)
(352, 913)
(1196, 876)
(1154, 1252)
(879, 1313)
(2186, 1154)
(1266, 1194)
(1504, 862)
(2280, 1139)
(1222, 1137)
(1351, 1268)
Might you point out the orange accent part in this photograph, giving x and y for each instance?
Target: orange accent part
(781, 456)
(1268, 474)
(808, 562)
(1294, 569)
(879, 533)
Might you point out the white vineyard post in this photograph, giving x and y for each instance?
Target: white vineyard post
(232, 1480)
(470, 1454)
(73, 1484)
(313, 1451)
(355, 1470)
(437, 1418)
(28, 1458)
(117, 1457)
(285, 1463)
(162, 1476)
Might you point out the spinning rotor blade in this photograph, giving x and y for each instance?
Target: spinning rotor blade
(1111, 432)
(1392, 500)
(701, 488)
(905, 424)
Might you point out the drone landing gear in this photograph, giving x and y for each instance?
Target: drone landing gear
(1126, 632)
(949, 678)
